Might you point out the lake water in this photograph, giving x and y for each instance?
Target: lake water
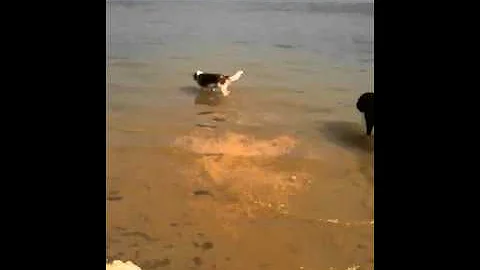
(279, 175)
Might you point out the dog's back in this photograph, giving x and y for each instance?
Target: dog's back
(206, 79)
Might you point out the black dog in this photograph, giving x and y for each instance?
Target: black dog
(365, 106)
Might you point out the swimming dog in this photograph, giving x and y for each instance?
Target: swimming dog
(214, 81)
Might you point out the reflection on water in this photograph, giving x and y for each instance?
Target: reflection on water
(208, 98)
(347, 134)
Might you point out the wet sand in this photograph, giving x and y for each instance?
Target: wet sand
(234, 201)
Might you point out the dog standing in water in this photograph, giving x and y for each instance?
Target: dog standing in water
(365, 106)
(214, 81)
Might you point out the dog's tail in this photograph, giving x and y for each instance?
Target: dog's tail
(236, 76)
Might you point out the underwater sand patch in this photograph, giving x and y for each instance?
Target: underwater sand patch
(235, 144)
(240, 173)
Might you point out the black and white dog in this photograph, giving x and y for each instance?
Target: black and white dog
(365, 106)
(214, 81)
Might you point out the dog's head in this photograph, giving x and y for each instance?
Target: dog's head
(195, 75)
(365, 102)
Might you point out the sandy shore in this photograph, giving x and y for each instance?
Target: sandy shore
(239, 202)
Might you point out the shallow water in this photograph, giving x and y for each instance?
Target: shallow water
(285, 171)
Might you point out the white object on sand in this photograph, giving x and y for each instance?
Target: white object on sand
(119, 265)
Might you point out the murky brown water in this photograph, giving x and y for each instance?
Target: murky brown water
(277, 176)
